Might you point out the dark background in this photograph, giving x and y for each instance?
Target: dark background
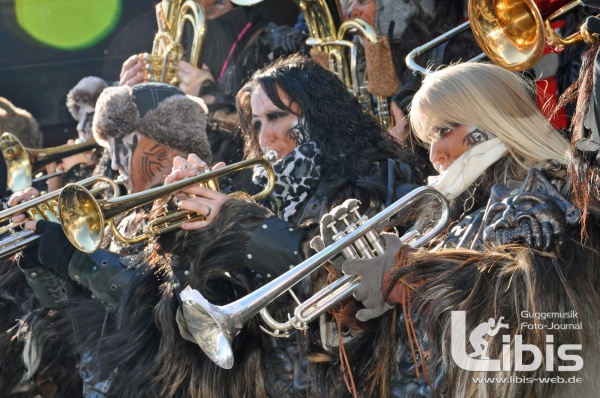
(36, 77)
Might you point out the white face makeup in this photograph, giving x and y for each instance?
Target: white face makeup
(121, 154)
(274, 126)
(85, 115)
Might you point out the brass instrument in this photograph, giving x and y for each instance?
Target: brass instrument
(22, 162)
(220, 324)
(84, 218)
(322, 18)
(512, 33)
(167, 49)
(44, 207)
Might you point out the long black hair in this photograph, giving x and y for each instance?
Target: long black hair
(348, 136)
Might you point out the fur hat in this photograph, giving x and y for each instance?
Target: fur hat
(156, 110)
(20, 123)
(86, 92)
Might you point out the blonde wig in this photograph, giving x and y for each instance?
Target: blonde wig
(495, 101)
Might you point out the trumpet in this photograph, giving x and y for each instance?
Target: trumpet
(44, 207)
(84, 218)
(167, 50)
(512, 33)
(218, 325)
(21, 162)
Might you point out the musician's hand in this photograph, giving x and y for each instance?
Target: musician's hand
(191, 78)
(201, 200)
(399, 131)
(371, 272)
(133, 71)
(20, 197)
(185, 168)
(331, 224)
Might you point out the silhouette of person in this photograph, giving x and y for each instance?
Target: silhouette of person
(477, 339)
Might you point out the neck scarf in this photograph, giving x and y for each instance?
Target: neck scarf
(468, 167)
(295, 177)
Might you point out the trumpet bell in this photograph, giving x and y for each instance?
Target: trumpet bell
(85, 221)
(84, 217)
(510, 32)
(21, 162)
(18, 166)
(209, 327)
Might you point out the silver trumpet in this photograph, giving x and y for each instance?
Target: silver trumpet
(216, 326)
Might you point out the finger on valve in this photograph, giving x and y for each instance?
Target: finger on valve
(21, 197)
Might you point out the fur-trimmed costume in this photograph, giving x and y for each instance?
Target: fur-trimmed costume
(156, 110)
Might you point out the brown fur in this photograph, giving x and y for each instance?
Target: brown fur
(178, 122)
(504, 283)
(20, 123)
(86, 91)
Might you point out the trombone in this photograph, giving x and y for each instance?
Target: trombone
(43, 207)
(218, 325)
(512, 33)
(84, 218)
(21, 162)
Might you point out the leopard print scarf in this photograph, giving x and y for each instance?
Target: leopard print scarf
(295, 176)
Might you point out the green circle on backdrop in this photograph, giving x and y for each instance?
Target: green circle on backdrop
(68, 24)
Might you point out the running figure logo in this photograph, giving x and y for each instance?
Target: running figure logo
(477, 336)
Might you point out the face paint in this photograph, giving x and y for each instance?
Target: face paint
(475, 137)
(449, 144)
(121, 154)
(277, 129)
(149, 165)
(85, 115)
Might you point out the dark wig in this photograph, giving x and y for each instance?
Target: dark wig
(348, 136)
(145, 346)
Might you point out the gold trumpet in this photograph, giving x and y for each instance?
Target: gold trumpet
(22, 162)
(84, 218)
(167, 50)
(512, 33)
(44, 207)
(218, 325)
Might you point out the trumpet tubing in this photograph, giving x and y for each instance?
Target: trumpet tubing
(167, 48)
(322, 18)
(43, 207)
(84, 217)
(220, 324)
(512, 33)
(22, 162)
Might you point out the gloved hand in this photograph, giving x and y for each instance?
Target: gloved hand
(55, 250)
(371, 271)
(282, 39)
(331, 223)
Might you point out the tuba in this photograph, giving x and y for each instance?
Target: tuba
(44, 207)
(167, 49)
(512, 33)
(218, 325)
(84, 218)
(331, 48)
(22, 162)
